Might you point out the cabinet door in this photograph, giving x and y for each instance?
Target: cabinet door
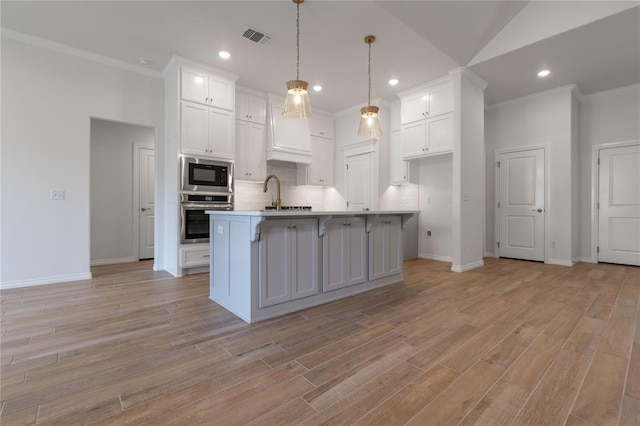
(250, 152)
(220, 92)
(305, 261)
(394, 245)
(194, 129)
(194, 85)
(440, 101)
(356, 272)
(257, 109)
(220, 134)
(334, 259)
(398, 168)
(414, 107)
(320, 171)
(241, 166)
(275, 262)
(377, 250)
(385, 250)
(414, 139)
(321, 126)
(440, 133)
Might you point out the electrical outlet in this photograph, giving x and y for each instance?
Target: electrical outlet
(57, 194)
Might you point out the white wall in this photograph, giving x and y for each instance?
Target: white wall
(48, 99)
(605, 117)
(435, 204)
(111, 191)
(543, 119)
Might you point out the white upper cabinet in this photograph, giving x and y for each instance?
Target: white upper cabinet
(426, 103)
(427, 121)
(251, 150)
(198, 85)
(206, 131)
(321, 126)
(251, 108)
(288, 139)
(398, 168)
(320, 171)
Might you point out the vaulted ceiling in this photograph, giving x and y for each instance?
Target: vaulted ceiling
(595, 44)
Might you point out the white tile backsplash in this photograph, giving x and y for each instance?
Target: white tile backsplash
(249, 195)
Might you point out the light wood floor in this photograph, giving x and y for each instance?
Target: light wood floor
(510, 343)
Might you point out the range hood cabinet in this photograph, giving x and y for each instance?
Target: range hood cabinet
(288, 139)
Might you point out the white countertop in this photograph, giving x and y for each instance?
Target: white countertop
(298, 213)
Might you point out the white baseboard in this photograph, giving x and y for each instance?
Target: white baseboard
(435, 257)
(101, 262)
(42, 281)
(561, 262)
(489, 254)
(588, 260)
(467, 267)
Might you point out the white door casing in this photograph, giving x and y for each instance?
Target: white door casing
(521, 204)
(619, 205)
(146, 201)
(358, 182)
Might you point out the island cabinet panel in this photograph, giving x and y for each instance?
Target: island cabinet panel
(289, 260)
(344, 253)
(385, 247)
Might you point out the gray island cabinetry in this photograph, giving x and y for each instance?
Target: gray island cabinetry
(266, 264)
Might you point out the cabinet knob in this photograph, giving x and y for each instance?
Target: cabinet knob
(206, 99)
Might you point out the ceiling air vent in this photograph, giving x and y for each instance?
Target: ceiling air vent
(256, 36)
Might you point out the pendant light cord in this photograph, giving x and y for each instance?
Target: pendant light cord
(297, 41)
(369, 70)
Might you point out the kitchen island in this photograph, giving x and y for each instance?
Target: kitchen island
(270, 263)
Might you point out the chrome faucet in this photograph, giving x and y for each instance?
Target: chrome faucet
(278, 202)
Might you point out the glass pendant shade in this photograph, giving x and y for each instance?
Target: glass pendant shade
(369, 122)
(297, 105)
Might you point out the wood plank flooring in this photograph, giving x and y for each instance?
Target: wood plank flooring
(512, 342)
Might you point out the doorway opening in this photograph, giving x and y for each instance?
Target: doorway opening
(122, 192)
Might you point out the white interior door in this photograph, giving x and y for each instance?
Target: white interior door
(619, 198)
(521, 204)
(358, 180)
(146, 176)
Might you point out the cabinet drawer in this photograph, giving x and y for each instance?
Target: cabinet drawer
(194, 257)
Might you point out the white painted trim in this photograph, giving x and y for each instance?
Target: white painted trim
(470, 75)
(587, 260)
(547, 195)
(439, 258)
(508, 103)
(46, 280)
(424, 86)
(612, 92)
(560, 262)
(595, 190)
(78, 53)
(101, 262)
(489, 254)
(467, 267)
(180, 60)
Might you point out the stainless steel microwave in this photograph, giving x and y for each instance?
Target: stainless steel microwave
(206, 175)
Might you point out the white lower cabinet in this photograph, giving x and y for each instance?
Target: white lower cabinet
(344, 253)
(385, 247)
(289, 260)
(195, 255)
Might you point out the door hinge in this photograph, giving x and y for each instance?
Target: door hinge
(347, 204)
(498, 204)
(498, 243)
(498, 164)
(598, 161)
(347, 166)
(598, 249)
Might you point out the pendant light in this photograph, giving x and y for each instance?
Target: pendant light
(369, 121)
(296, 105)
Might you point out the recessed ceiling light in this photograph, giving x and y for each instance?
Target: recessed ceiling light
(224, 54)
(393, 81)
(544, 73)
(144, 61)
(317, 88)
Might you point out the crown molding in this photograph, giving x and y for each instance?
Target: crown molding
(177, 60)
(78, 53)
(423, 86)
(379, 102)
(612, 92)
(470, 75)
(570, 88)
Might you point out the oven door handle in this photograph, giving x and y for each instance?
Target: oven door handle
(194, 206)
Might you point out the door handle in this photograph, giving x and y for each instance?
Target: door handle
(538, 210)
(144, 209)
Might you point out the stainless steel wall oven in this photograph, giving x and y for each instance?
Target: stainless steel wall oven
(194, 220)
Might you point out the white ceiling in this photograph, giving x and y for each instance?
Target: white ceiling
(417, 41)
